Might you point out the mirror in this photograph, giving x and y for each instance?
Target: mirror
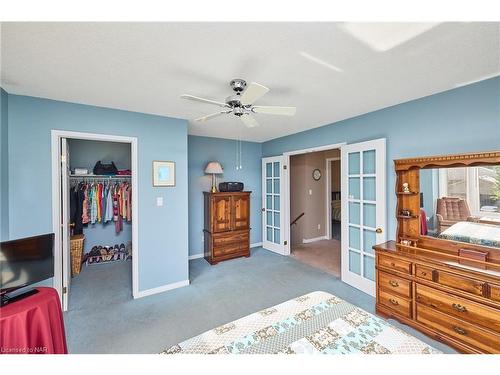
(461, 204)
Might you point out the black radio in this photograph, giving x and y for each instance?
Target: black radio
(230, 186)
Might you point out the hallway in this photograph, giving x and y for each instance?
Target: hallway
(324, 255)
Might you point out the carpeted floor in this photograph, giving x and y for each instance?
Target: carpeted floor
(103, 317)
(324, 255)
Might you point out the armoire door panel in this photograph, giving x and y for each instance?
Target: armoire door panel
(241, 215)
(221, 214)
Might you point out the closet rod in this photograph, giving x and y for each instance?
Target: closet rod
(100, 176)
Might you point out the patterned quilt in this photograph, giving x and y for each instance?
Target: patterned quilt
(317, 322)
(475, 233)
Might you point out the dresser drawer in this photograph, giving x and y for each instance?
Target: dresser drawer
(484, 340)
(395, 264)
(423, 272)
(460, 282)
(459, 307)
(398, 304)
(495, 292)
(394, 284)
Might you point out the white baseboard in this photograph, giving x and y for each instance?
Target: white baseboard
(196, 256)
(160, 289)
(309, 240)
(257, 244)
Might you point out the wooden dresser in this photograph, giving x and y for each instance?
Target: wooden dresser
(227, 226)
(432, 284)
(450, 302)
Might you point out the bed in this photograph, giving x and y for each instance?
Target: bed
(474, 233)
(336, 206)
(317, 322)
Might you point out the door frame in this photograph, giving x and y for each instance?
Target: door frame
(286, 186)
(328, 223)
(59, 257)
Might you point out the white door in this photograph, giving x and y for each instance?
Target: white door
(363, 211)
(65, 223)
(273, 235)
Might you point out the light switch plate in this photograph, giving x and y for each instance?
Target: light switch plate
(310, 192)
(159, 201)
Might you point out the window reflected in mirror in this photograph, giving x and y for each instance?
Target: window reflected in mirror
(461, 204)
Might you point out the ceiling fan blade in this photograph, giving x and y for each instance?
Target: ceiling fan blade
(249, 121)
(198, 99)
(208, 117)
(274, 110)
(253, 92)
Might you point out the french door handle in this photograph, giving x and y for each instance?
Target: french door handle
(263, 209)
(378, 230)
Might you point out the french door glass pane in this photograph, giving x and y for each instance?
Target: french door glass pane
(269, 202)
(354, 187)
(369, 267)
(369, 215)
(269, 218)
(354, 238)
(269, 169)
(369, 239)
(277, 219)
(354, 163)
(354, 214)
(276, 169)
(276, 236)
(269, 235)
(276, 186)
(354, 262)
(369, 188)
(269, 185)
(369, 162)
(277, 202)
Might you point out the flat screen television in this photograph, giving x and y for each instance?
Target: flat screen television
(26, 261)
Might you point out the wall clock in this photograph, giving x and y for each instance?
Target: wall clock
(316, 174)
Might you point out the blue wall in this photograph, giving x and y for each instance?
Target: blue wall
(84, 154)
(205, 149)
(465, 119)
(4, 166)
(163, 231)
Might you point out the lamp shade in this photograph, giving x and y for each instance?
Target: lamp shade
(213, 167)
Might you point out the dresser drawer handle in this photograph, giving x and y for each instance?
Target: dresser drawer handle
(423, 273)
(393, 264)
(393, 283)
(393, 301)
(459, 307)
(459, 330)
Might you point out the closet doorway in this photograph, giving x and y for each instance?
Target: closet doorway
(101, 209)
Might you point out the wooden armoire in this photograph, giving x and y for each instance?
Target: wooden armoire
(227, 225)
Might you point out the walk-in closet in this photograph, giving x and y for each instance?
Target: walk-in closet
(99, 191)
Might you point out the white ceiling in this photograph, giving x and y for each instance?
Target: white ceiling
(329, 71)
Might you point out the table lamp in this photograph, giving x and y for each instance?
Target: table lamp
(214, 168)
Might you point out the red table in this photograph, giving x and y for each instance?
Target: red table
(33, 325)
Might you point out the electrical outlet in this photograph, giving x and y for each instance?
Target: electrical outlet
(319, 226)
(202, 238)
(159, 201)
(310, 192)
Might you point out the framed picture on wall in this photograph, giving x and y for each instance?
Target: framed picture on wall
(163, 173)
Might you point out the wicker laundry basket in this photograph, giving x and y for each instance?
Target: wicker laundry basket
(76, 248)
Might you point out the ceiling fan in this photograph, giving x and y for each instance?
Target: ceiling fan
(241, 103)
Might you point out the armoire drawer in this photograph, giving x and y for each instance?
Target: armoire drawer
(399, 304)
(229, 238)
(395, 264)
(461, 308)
(482, 339)
(394, 284)
(231, 248)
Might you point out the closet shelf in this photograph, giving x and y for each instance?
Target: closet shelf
(95, 176)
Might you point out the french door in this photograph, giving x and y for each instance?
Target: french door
(363, 211)
(273, 235)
